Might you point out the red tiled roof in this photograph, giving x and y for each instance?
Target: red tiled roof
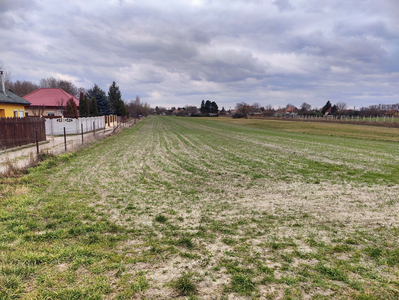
(291, 109)
(49, 97)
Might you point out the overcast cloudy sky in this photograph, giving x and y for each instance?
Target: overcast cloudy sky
(173, 53)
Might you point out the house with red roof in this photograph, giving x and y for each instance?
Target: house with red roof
(292, 111)
(328, 111)
(48, 102)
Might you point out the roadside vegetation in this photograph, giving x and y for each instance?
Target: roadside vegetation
(204, 208)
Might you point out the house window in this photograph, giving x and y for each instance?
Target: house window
(26, 114)
(50, 114)
(15, 113)
(21, 113)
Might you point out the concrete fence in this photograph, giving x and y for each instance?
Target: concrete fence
(73, 126)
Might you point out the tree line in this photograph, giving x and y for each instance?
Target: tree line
(207, 108)
(92, 102)
(243, 109)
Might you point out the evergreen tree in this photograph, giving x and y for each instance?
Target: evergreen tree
(83, 106)
(123, 108)
(115, 97)
(71, 110)
(202, 109)
(214, 108)
(87, 106)
(93, 107)
(208, 105)
(102, 101)
(334, 110)
(325, 107)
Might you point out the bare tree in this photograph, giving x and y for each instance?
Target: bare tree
(61, 106)
(305, 107)
(256, 106)
(269, 110)
(341, 106)
(191, 110)
(22, 88)
(136, 108)
(66, 85)
(37, 110)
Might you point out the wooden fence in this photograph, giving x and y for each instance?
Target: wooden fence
(21, 131)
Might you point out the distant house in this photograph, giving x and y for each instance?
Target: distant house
(279, 113)
(391, 113)
(291, 111)
(48, 102)
(328, 111)
(255, 114)
(12, 105)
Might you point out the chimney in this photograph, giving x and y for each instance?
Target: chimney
(2, 82)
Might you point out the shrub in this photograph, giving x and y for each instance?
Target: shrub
(238, 115)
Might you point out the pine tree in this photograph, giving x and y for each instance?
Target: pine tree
(334, 110)
(71, 110)
(93, 107)
(214, 108)
(208, 106)
(123, 108)
(202, 109)
(87, 106)
(115, 97)
(80, 103)
(83, 106)
(102, 101)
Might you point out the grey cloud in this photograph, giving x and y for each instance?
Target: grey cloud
(283, 5)
(266, 51)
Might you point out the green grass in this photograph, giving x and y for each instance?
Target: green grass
(202, 208)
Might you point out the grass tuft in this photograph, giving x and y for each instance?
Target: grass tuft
(161, 219)
(185, 285)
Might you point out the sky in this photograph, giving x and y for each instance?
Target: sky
(177, 53)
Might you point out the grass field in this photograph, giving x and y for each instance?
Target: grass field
(208, 209)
